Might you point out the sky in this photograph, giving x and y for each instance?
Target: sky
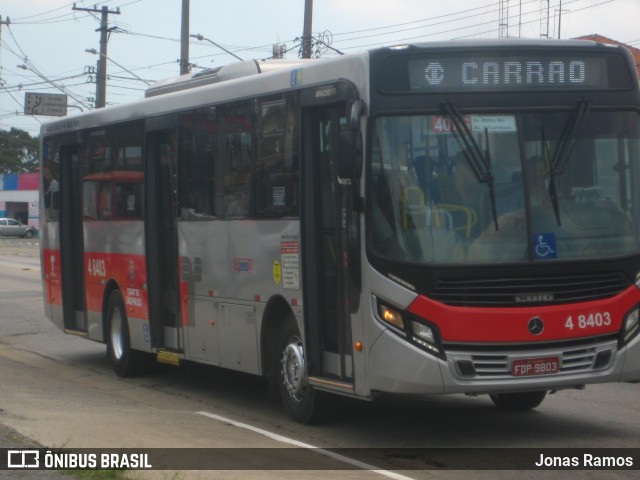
(49, 38)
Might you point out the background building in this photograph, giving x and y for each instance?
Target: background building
(19, 197)
(635, 52)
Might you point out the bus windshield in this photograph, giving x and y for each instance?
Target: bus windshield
(504, 187)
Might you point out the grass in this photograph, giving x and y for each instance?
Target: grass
(98, 474)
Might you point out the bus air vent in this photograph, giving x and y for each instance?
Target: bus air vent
(529, 291)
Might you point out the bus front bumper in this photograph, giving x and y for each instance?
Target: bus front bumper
(397, 366)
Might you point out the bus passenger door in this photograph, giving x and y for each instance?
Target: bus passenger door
(72, 239)
(161, 240)
(327, 315)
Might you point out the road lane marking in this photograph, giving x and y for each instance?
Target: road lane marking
(296, 443)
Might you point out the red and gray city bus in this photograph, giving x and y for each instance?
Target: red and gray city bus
(453, 217)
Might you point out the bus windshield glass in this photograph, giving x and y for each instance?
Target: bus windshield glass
(484, 187)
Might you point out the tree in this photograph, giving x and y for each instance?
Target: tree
(18, 151)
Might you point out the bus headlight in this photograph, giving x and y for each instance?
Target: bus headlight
(424, 336)
(415, 330)
(631, 325)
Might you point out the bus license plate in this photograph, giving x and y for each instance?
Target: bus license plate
(523, 367)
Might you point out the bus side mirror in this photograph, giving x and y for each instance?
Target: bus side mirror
(350, 144)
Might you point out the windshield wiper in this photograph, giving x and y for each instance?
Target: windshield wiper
(568, 139)
(566, 143)
(553, 193)
(480, 163)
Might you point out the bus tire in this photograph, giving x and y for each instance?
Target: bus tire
(301, 401)
(518, 401)
(119, 351)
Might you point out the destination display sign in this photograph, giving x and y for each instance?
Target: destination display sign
(456, 71)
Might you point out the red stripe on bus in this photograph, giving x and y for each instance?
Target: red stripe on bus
(474, 324)
(53, 277)
(127, 270)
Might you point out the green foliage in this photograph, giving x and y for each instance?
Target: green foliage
(18, 151)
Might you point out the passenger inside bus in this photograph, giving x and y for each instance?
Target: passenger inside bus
(196, 205)
(238, 205)
(427, 228)
(51, 190)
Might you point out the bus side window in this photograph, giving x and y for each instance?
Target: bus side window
(98, 154)
(50, 177)
(276, 171)
(89, 199)
(233, 165)
(197, 149)
(128, 200)
(105, 210)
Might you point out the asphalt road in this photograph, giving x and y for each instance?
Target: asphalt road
(25, 249)
(58, 390)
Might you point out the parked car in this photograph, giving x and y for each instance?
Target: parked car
(13, 228)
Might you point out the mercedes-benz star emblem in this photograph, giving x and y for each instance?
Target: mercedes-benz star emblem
(536, 326)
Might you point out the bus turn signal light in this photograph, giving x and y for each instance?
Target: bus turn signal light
(391, 316)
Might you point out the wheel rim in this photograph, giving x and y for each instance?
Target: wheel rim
(294, 369)
(116, 334)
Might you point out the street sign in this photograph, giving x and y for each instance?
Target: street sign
(51, 104)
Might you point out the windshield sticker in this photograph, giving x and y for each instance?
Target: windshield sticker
(544, 245)
(290, 258)
(242, 265)
(277, 272)
(493, 123)
(443, 124)
(475, 123)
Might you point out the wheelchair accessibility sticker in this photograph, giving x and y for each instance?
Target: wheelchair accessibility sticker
(544, 245)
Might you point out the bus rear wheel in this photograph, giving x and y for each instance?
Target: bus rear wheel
(119, 351)
(518, 401)
(301, 400)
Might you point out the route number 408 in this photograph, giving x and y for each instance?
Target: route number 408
(593, 320)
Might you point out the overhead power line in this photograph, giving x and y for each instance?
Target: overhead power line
(22, 86)
(29, 65)
(428, 19)
(460, 28)
(45, 13)
(345, 39)
(535, 20)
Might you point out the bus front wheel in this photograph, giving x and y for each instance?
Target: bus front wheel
(118, 341)
(301, 400)
(519, 400)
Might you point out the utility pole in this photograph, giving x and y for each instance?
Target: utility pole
(184, 39)
(101, 72)
(544, 18)
(306, 34)
(559, 19)
(520, 21)
(6, 22)
(503, 22)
